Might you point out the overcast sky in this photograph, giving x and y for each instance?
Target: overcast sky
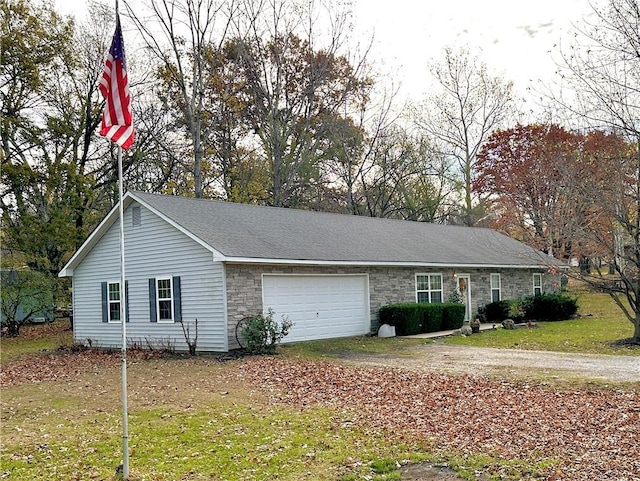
(515, 39)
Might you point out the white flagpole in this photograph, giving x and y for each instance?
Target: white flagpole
(123, 322)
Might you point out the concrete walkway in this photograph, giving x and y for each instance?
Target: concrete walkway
(434, 335)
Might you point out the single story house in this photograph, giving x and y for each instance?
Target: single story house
(219, 262)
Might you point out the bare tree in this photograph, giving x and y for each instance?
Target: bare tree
(404, 177)
(189, 30)
(602, 72)
(303, 88)
(469, 104)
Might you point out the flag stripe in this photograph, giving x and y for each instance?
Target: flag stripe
(117, 119)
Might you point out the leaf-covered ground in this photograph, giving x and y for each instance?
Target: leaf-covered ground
(565, 435)
(64, 365)
(592, 435)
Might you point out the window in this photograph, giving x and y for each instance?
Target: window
(111, 299)
(164, 299)
(429, 288)
(495, 287)
(114, 301)
(537, 284)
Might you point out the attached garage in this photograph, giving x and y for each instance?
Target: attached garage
(320, 306)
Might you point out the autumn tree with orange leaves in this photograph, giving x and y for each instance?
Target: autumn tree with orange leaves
(546, 183)
(522, 171)
(601, 77)
(569, 194)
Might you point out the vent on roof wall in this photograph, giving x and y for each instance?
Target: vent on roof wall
(136, 216)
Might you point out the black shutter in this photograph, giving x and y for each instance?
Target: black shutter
(177, 300)
(152, 301)
(105, 303)
(126, 300)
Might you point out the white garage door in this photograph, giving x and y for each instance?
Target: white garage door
(321, 307)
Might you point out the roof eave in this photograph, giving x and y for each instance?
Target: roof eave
(315, 262)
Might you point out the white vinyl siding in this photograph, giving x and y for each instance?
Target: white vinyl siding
(496, 287)
(201, 279)
(429, 288)
(537, 284)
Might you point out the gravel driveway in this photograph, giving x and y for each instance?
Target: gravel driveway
(474, 360)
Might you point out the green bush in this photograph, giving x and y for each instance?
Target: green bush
(453, 316)
(260, 334)
(545, 307)
(553, 307)
(407, 318)
(497, 311)
(416, 318)
(432, 316)
(518, 309)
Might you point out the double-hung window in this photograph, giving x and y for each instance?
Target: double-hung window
(113, 289)
(495, 287)
(429, 288)
(537, 284)
(111, 301)
(164, 299)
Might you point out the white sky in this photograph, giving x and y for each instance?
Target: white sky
(514, 38)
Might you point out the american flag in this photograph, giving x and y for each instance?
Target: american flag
(117, 121)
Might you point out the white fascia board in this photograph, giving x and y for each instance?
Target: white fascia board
(253, 260)
(217, 255)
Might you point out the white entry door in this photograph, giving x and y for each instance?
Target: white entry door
(320, 306)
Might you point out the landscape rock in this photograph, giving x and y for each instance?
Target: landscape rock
(387, 331)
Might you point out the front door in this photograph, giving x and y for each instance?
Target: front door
(464, 289)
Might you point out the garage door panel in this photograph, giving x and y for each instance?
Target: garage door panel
(320, 306)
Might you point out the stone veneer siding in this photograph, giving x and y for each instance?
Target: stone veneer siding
(387, 285)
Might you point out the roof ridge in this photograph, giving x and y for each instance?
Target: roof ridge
(308, 211)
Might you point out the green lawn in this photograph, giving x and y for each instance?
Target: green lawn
(189, 420)
(597, 330)
(337, 348)
(193, 420)
(36, 338)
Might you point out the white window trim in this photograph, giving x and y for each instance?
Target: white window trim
(537, 285)
(496, 288)
(158, 299)
(109, 302)
(429, 291)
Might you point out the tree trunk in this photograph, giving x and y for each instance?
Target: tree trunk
(13, 328)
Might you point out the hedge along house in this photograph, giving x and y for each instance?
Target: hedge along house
(219, 262)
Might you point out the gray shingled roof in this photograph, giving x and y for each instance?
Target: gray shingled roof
(240, 231)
